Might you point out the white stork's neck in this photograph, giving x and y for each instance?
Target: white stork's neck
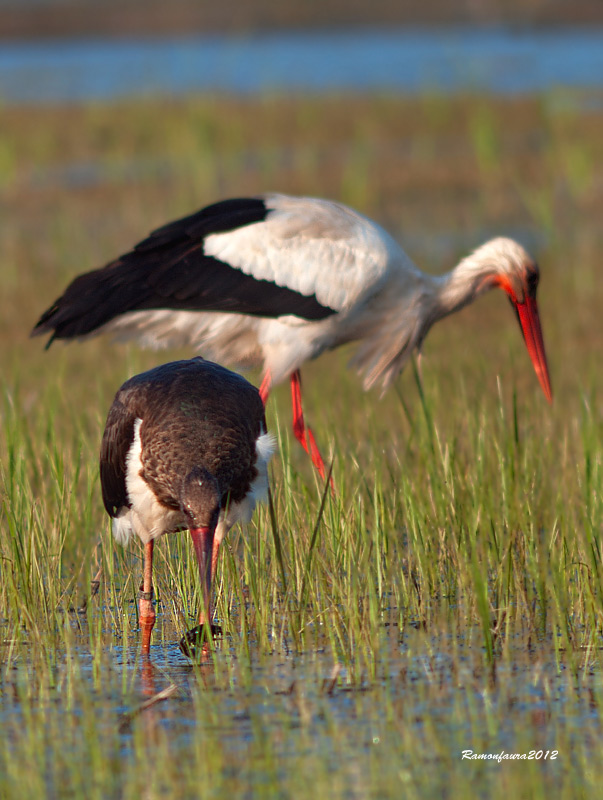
(474, 275)
(407, 312)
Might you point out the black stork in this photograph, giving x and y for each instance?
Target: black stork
(185, 446)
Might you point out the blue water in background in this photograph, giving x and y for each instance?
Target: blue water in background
(406, 60)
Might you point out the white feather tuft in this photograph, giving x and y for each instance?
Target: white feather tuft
(122, 526)
(265, 446)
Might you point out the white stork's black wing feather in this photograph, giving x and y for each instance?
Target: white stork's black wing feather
(170, 269)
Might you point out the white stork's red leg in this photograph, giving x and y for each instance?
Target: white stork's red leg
(146, 612)
(304, 434)
(265, 387)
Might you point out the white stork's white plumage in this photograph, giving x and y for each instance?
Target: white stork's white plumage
(276, 280)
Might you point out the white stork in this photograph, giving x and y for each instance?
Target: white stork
(276, 280)
(185, 446)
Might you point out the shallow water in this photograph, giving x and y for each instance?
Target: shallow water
(263, 721)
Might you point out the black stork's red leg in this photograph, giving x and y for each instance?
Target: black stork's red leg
(146, 611)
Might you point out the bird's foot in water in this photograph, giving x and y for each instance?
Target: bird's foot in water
(194, 643)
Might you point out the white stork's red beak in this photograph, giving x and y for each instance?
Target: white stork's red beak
(529, 320)
(527, 313)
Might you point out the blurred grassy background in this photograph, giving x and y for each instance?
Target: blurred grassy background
(80, 184)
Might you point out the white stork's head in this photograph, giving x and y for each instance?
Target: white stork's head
(505, 264)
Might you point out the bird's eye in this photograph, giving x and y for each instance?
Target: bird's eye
(532, 282)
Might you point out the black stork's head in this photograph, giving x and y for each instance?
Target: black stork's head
(200, 499)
